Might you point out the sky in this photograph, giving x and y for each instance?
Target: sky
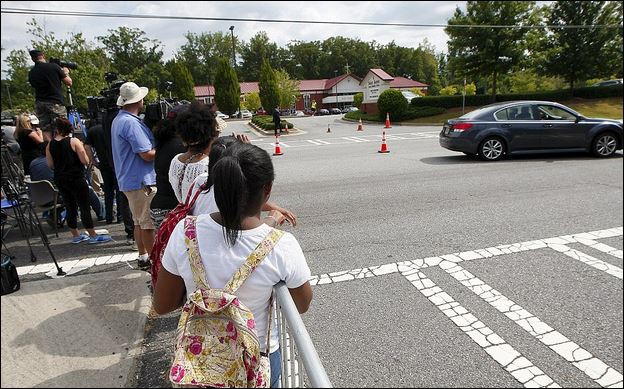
(171, 32)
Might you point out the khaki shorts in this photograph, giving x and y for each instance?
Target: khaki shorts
(140, 208)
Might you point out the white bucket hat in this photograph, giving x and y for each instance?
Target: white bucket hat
(130, 93)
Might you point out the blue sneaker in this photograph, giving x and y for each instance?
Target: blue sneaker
(80, 238)
(100, 239)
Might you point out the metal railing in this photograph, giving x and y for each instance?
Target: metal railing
(301, 366)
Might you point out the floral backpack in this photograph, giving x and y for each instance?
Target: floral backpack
(216, 341)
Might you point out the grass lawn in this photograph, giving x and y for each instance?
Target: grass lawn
(607, 108)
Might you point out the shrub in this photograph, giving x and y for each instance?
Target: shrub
(480, 100)
(409, 114)
(596, 92)
(357, 99)
(266, 123)
(448, 91)
(393, 102)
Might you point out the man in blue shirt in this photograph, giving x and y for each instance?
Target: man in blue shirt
(133, 156)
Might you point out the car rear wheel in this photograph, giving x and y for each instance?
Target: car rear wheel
(604, 145)
(492, 149)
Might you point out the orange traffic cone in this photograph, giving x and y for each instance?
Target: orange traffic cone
(278, 149)
(328, 129)
(387, 120)
(360, 126)
(384, 146)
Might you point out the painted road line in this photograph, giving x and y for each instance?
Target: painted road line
(322, 142)
(588, 259)
(600, 247)
(489, 252)
(352, 139)
(315, 143)
(594, 368)
(494, 345)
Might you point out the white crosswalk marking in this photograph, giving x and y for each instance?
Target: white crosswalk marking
(597, 370)
(588, 259)
(504, 354)
(600, 372)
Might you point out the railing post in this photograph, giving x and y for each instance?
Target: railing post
(298, 352)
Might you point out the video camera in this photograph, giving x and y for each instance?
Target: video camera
(107, 101)
(64, 64)
(156, 111)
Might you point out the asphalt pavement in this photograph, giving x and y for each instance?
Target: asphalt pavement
(433, 268)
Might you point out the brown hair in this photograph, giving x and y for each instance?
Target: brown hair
(22, 125)
(64, 127)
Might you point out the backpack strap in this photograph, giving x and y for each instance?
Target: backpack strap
(190, 198)
(254, 259)
(192, 247)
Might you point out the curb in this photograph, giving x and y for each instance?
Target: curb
(393, 124)
(259, 131)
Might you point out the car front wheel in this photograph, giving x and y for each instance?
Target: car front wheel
(492, 149)
(604, 145)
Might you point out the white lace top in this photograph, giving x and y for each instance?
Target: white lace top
(182, 176)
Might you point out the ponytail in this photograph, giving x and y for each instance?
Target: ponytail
(230, 191)
(240, 178)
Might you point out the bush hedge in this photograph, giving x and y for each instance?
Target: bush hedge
(266, 122)
(393, 102)
(479, 100)
(409, 114)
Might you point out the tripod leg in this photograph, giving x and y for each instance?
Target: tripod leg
(46, 242)
(21, 222)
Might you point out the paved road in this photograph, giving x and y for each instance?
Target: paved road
(435, 269)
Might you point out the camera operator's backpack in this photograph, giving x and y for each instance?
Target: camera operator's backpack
(166, 228)
(216, 340)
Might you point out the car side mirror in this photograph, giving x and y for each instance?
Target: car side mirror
(578, 119)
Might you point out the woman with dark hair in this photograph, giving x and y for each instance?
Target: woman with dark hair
(168, 146)
(198, 129)
(243, 180)
(30, 140)
(68, 158)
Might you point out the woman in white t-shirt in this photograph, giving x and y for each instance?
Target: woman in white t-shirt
(243, 180)
(197, 128)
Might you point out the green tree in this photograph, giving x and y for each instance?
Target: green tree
(487, 52)
(306, 57)
(201, 52)
(269, 89)
(252, 101)
(357, 99)
(288, 89)
(258, 49)
(182, 80)
(16, 85)
(227, 89)
(578, 54)
(130, 49)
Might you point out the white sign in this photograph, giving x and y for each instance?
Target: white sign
(373, 88)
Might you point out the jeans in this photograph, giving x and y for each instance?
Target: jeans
(96, 203)
(276, 368)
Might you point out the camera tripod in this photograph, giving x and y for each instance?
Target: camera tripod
(19, 202)
(74, 116)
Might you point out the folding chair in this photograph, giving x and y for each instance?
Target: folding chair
(44, 196)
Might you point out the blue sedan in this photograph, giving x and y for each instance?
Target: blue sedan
(521, 127)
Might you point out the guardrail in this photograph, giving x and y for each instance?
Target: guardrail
(301, 365)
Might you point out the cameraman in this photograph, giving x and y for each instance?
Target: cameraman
(46, 79)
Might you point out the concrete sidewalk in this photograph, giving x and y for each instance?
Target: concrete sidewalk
(79, 331)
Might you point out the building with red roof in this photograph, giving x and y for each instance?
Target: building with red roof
(327, 93)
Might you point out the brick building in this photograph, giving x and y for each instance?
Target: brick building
(333, 92)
